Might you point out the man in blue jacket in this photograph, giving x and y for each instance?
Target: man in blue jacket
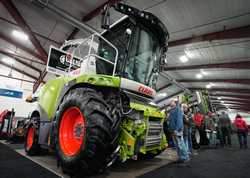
(176, 128)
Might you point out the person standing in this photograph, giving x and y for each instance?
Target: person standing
(187, 133)
(176, 129)
(216, 121)
(242, 130)
(225, 129)
(210, 129)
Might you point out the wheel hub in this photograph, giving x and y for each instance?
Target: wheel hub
(78, 131)
(72, 131)
(30, 137)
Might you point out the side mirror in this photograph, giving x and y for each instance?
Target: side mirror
(163, 58)
(106, 17)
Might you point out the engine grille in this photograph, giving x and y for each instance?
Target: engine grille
(154, 134)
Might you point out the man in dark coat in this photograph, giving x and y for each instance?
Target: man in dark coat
(225, 127)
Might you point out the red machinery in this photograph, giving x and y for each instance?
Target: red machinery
(5, 118)
(11, 128)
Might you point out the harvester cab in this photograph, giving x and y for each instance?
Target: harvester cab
(133, 48)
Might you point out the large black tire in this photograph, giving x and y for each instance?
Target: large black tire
(204, 138)
(196, 138)
(4, 135)
(1, 127)
(99, 135)
(32, 147)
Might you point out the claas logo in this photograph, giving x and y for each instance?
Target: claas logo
(145, 90)
(66, 60)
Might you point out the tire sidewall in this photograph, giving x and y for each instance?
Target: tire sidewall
(100, 136)
(35, 140)
(64, 106)
(1, 126)
(34, 149)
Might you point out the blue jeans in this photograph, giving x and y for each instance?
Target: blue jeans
(186, 143)
(212, 139)
(190, 145)
(242, 137)
(181, 147)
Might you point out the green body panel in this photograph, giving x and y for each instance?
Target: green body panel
(99, 80)
(50, 93)
(148, 110)
(134, 132)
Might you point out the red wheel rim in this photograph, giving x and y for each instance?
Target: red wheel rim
(30, 137)
(71, 131)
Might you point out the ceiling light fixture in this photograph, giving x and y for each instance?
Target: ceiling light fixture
(188, 53)
(212, 84)
(219, 98)
(222, 102)
(20, 35)
(183, 59)
(208, 86)
(199, 76)
(203, 72)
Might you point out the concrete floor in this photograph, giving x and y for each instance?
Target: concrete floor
(129, 169)
(209, 163)
(228, 162)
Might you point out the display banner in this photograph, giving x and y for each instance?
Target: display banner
(11, 93)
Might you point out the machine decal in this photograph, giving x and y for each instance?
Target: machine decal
(137, 87)
(145, 90)
(66, 61)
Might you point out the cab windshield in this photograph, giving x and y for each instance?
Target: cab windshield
(142, 57)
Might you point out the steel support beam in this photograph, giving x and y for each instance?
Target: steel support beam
(8, 4)
(39, 80)
(230, 99)
(18, 70)
(232, 102)
(243, 109)
(230, 65)
(240, 109)
(15, 78)
(235, 81)
(19, 45)
(230, 96)
(91, 15)
(235, 33)
(235, 90)
(232, 105)
(23, 57)
(37, 34)
(19, 60)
